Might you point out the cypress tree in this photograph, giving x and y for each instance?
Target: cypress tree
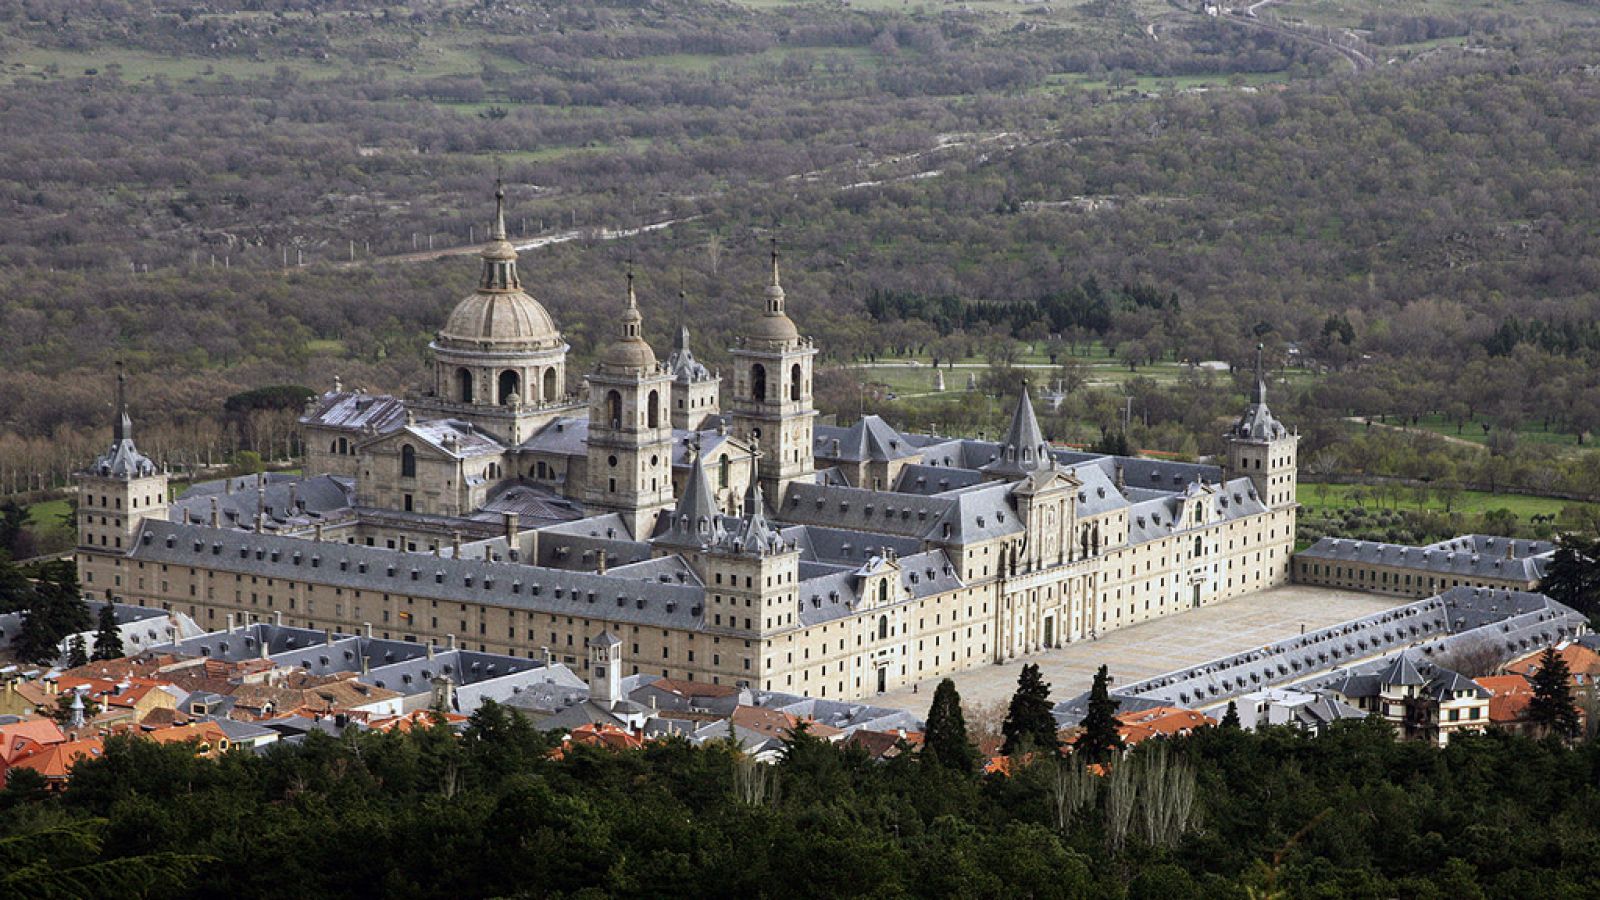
(946, 741)
(1029, 724)
(77, 654)
(1100, 737)
(107, 637)
(1551, 705)
(1230, 719)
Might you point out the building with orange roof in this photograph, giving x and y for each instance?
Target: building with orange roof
(55, 761)
(884, 745)
(418, 719)
(19, 739)
(209, 738)
(1582, 661)
(1508, 700)
(599, 734)
(1159, 721)
(775, 724)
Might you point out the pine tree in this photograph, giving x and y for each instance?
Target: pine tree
(1100, 737)
(53, 611)
(1029, 724)
(1551, 705)
(107, 637)
(77, 653)
(1573, 576)
(946, 741)
(1230, 719)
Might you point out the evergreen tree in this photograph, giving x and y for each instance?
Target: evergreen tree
(1573, 576)
(1100, 737)
(1029, 724)
(946, 740)
(77, 654)
(1551, 705)
(107, 637)
(1230, 719)
(54, 611)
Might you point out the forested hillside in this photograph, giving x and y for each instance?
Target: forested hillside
(1399, 201)
(424, 814)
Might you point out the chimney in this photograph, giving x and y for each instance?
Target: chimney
(294, 498)
(600, 561)
(430, 649)
(455, 544)
(366, 627)
(216, 514)
(549, 657)
(1121, 480)
(230, 623)
(511, 531)
(452, 641)
(327, 636)
(364, 659)
(277, 617)
(317, 533)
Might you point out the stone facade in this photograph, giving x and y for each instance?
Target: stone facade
(756, 548)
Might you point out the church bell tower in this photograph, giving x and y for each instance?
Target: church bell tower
(772, 401)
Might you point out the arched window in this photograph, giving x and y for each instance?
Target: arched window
(542, 470)
(408, 461)
(344, 446)
(883, 591)
(614, 409)
(758, 381)
(1199, 546)
(508, 386)
(794, 382)
(333, 447)
(723, 469)
(464, 385)
(653, 411)
(549, 384)
(883, 628)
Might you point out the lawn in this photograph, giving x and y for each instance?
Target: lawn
(1318, 499)
(47, 514)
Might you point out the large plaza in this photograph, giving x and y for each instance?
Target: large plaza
(1161, 645)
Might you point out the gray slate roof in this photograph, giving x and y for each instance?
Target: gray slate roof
(1438, 559)
(511, 585)
(356, 411)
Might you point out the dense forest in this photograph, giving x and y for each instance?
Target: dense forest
(235, 195)
(1221, 813)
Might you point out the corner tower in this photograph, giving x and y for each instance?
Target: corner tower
(772, 402)
(121, 489)
(1261, 449)
(694, 389)
(630, 430)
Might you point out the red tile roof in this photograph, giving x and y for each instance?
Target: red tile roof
(1159, 721)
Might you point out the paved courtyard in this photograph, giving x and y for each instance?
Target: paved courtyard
(1151, 648)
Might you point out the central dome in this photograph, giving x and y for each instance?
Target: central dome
(500, 320)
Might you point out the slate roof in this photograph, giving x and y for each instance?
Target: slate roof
(681, 363)
(1023, 447)
(370, 568)
(869, 440)
(455, 438)
(287, 501)
(931, 480)
(1440, 559)
(535, 505)
(123, 460)
(356, 411)
(977, 513)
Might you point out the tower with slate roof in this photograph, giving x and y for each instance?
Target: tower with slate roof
(1262, 449)
(630, 430)
(119, 490)
(771, 400)
(694, 387)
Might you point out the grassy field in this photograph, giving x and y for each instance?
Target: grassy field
(47, 514)
(1317, 499)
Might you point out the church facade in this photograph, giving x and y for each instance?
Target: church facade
(718, 531)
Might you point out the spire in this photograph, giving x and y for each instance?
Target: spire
(498, 232)
(631, 320)
(1023, 447)
(683, 339)
(1261, 380)
(122, 426)
(499, 257)
(775, 288)
(697, 508)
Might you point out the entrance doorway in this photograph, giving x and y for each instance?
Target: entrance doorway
(1050, 631)
(883, 679)
(1197, 596)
